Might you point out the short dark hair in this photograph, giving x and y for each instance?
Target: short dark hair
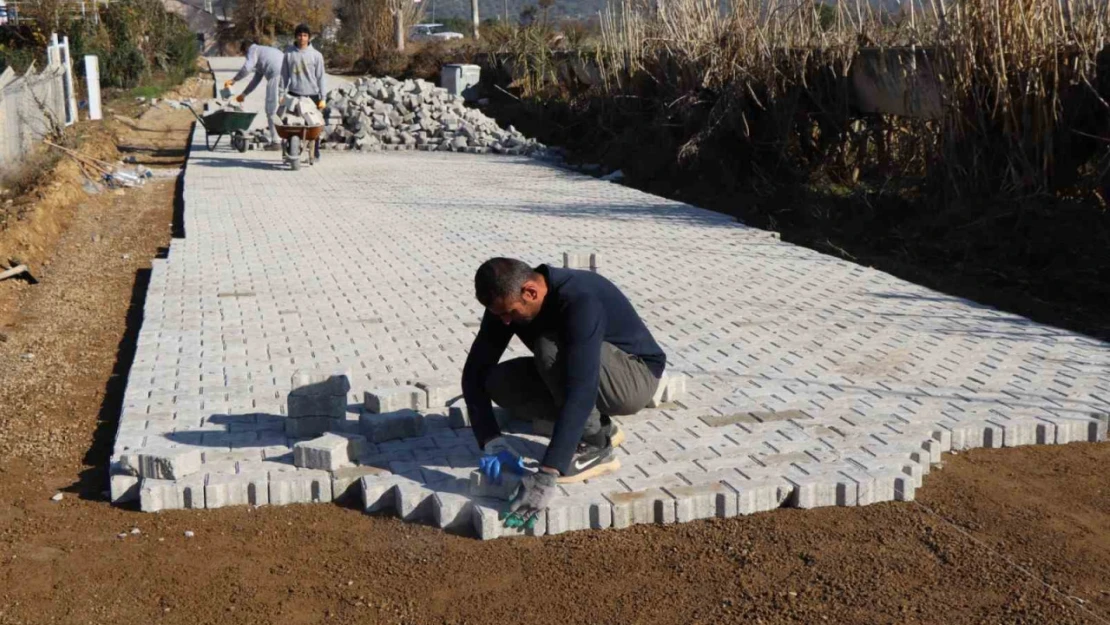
(499, 278)
(302, 28)
(245, 45)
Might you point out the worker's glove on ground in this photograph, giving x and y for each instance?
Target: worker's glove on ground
(239, 98)
(500, 456)
(536, 491)
(228, 83)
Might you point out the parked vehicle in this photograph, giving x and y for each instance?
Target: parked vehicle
(431, 32)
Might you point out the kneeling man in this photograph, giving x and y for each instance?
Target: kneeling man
(592, 357)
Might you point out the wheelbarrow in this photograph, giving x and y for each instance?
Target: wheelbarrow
(222, 123)
(295, 141)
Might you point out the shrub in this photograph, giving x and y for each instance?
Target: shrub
(133, 38)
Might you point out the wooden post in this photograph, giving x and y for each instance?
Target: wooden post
(474, 13)
(399, 29)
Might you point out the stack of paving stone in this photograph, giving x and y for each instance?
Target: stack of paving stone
(388, 114)
(298, 112)
(316, 404)
(220, 104)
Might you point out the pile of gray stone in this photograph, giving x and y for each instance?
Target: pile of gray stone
(390, 114)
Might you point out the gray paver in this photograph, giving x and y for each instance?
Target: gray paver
(344, 480)
(300, 486)
(124, 488)
(169, 463)
(329, 452)
(817, 382)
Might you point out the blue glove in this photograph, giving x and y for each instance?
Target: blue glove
(493, 464)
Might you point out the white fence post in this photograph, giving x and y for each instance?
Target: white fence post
(58, 54)
(92, 82)
(71, 93)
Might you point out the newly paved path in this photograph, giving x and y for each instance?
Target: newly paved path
(811, 381)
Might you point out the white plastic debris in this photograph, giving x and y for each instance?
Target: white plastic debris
(57, 497)
(189, 534)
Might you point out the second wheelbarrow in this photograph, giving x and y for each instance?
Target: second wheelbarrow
(220, 123)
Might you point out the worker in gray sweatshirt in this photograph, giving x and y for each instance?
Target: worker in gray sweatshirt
(302, 71)
(264, 62)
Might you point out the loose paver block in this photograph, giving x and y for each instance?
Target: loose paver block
(440, 392)
(393, 399)
(302, 427)
(481, 485)
(169, 463)
(823, 383)
(321, 383)
(334, 407)
(328, 452)
(388, 426)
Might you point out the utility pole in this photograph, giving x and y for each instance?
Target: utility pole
(399, 29)
(474, 12)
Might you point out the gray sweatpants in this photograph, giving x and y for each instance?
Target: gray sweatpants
(533, 388)
(272, 85)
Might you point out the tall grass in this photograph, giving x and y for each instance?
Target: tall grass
(1024, 101)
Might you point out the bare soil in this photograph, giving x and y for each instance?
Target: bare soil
(1013, 536)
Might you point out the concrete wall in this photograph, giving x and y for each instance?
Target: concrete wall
(26, 105)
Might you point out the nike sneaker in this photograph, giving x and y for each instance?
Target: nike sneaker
(590, 461)
(615, 434)
(609, 434)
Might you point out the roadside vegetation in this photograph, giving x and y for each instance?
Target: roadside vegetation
(144, 51)
(990, 178)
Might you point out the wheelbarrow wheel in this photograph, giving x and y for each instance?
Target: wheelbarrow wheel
(295, 152)
(239, 142)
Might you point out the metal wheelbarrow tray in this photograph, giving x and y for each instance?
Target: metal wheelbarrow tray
(294, 139)
(223, 123)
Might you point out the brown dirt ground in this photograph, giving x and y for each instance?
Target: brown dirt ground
(987, 534)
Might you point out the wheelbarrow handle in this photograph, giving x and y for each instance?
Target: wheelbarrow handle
(199, 118)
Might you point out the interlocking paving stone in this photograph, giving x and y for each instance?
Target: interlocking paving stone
(808, 380)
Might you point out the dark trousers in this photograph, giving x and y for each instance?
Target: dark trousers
(534, 389)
